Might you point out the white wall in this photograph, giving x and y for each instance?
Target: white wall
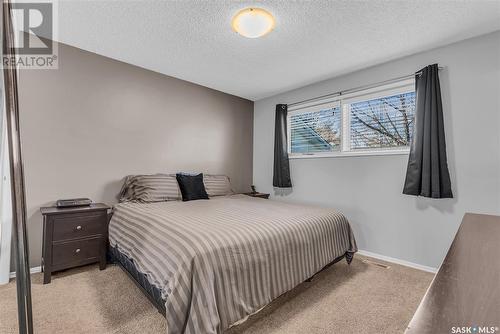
(5, 200)
(368, 190)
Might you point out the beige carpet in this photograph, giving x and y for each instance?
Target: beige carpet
(361, 298)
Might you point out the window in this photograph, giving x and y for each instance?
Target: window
(316, 131)
(375, 121)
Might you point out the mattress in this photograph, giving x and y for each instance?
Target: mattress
(217, 261)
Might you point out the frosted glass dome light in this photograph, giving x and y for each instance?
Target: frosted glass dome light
(253, 22)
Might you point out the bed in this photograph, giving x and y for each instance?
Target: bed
(209, 264)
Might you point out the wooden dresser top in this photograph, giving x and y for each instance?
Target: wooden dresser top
(466, 289)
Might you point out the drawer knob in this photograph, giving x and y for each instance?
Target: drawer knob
(77, 250)
(79, 227)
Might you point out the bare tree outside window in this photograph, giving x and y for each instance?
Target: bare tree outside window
(385, 122)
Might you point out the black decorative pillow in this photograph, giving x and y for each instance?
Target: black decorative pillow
(191, 186)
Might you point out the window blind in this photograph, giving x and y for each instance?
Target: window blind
(379, 120)
(317, 131)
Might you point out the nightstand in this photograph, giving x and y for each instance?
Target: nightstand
(73, 237)
(259, 195)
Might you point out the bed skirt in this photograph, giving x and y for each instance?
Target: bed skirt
(153, 293)
(139, 278)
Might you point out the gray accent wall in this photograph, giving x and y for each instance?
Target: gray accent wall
(368, 189)
(95, 120)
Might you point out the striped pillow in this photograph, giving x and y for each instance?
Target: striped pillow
(217, 185)
(150, 188)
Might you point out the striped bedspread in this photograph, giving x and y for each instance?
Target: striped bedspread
(217, 261)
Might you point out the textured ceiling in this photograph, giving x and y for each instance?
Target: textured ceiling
(312, 41)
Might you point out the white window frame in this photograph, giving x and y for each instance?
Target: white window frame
(344, 101)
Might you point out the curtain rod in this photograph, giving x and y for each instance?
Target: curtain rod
(357, 89)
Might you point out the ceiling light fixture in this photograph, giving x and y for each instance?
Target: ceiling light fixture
(253, 22)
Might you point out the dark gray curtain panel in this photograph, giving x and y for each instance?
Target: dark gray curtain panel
(427, 174)
(281, 176)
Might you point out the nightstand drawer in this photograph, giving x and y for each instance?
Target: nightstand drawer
(76, 252)
(67, 227)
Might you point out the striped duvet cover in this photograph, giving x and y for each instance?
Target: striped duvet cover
(217, 261)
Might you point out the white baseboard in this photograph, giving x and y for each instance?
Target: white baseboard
(33, 270)
(398, 261)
